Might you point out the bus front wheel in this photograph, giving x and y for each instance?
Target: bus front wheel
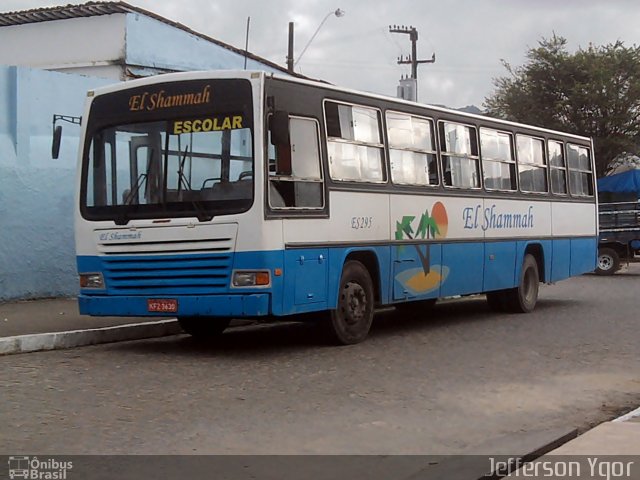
(523, 298)
(204, 327)
(351, 320)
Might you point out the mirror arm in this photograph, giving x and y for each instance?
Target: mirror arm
(57, 131)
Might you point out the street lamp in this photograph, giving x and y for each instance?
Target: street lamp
(338, 13)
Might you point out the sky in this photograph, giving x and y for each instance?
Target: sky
(468, 37)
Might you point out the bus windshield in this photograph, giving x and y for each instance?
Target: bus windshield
(188, 163)
(155, 169)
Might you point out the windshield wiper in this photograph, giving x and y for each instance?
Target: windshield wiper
(201, 213)
(134, 192)
(123, 219)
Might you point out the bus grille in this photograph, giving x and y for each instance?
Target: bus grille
(164, 246)
(167, 274)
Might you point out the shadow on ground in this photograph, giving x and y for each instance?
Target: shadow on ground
(261, 339)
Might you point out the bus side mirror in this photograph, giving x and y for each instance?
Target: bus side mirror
(280, 138)
(55, 145)
(57, 132)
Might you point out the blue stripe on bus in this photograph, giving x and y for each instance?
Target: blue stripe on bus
(561, 260)
(584, 255)
(310, 277)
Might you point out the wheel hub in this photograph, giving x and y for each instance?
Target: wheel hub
(605, 262)
(355, 303)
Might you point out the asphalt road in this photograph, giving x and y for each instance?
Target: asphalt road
(460, 379)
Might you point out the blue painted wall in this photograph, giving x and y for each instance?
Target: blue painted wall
(36, 193)
(155, 44)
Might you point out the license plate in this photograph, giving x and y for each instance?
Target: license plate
(162, 305)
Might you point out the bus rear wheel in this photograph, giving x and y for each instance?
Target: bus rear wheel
(204, 327)
(524, 297)
(608, 261)
(350, 321)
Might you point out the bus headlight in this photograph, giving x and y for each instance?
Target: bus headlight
(244, 278)
(92, 280)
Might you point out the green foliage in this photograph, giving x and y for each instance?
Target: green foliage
(404, 227)
(593, 92)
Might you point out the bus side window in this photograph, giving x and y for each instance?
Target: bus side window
(304, 187)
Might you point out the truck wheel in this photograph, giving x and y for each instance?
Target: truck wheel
(204, 327)
(524, 297)
(608, 261)
(350, 322)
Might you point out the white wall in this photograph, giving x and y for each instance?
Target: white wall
(60, 44)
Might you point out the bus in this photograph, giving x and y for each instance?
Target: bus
(211, 196)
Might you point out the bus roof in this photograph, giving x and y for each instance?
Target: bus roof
(253, 74)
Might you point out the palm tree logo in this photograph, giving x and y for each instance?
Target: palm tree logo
(429, 227)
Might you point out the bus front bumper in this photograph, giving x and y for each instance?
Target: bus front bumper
(248, 305)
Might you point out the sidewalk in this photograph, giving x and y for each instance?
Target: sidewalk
(53, 315)
(49, 324)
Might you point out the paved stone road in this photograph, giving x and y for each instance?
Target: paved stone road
(458, 380)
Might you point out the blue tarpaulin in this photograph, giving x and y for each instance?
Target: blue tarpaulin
(625, 182)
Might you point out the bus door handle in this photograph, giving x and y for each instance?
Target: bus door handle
(405, 260)
(320, 259)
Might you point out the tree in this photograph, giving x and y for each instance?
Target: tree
(593, 92)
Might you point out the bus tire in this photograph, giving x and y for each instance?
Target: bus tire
(523, 298)
(350, 321)
(204, 327)
(608, 261)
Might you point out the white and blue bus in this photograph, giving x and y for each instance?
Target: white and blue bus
(217, 195)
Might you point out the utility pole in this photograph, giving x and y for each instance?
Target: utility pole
(290, 51)
(413, 36)
(413, 59)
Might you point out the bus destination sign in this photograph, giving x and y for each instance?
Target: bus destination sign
(156, 100)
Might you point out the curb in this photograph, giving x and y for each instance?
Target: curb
(78, 338)
(628, 416)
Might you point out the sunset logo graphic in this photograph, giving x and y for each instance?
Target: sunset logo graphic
(426, 279)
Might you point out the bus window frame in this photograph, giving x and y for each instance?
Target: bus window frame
(513, 162)
(591, 171)
(443, 153)
(269, 177)
(381, 146)
(545, 159)
(434, 152)
(565, 168)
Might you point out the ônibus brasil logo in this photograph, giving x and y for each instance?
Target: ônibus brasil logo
(34, 468)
